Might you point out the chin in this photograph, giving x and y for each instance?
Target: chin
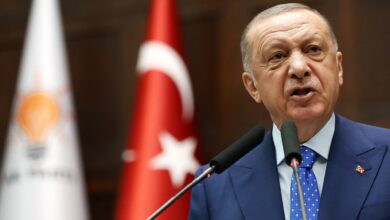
(307, 114)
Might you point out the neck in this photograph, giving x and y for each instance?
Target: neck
(307, 129)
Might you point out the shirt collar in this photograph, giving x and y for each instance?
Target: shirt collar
(320, 142)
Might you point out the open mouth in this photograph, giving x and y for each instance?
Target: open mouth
(301, 91)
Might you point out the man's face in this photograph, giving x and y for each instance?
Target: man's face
(296, 69)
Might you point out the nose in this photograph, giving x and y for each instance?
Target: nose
(298, 66)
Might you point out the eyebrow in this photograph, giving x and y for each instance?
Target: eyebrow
(283, 43)
(313, 37)
(272, 44)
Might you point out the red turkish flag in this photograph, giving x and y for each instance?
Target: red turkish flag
(162, 138)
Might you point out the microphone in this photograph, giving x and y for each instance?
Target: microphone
(238, 149)
(221, 162)
(293, 157)
(290, 141)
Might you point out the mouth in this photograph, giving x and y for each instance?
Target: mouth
(302, 95)
(301, 91)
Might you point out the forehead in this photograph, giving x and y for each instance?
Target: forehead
(288, 22)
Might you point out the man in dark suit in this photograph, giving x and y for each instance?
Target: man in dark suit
(293, 66)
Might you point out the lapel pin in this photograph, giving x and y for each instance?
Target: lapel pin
(360, 169)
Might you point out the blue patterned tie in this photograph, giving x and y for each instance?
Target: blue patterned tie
(310, 190)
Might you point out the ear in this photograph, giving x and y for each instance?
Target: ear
(251, 86)
(339, 61)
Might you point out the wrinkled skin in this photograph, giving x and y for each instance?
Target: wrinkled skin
(296, 70)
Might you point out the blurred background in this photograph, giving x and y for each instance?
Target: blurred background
(103, 38)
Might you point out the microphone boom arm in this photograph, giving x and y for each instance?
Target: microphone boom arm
(294, 165)
(201, 177)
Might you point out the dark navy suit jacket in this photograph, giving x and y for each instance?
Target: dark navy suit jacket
(250, 188)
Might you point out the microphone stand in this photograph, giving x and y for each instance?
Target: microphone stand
(201, 177)
(294, 164)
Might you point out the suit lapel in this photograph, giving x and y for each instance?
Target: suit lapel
(345, 189)
(256, 183)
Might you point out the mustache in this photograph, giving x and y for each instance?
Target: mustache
(293, 87)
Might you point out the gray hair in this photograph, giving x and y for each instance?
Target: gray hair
(246, 49)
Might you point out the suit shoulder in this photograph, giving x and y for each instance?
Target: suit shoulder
(374, 133)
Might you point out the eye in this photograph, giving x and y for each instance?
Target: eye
(315, 52)
(313, 49)
(277, 56)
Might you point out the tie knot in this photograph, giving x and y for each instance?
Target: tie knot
(308, 157)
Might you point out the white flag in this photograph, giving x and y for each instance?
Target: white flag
(41, 175)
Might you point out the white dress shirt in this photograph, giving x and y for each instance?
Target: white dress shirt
(320, 143)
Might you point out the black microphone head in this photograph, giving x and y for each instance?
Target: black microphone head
(238, 149)
(290, 142)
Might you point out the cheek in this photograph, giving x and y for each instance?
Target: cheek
(330, 84)
(272, 87)
(328, 75)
